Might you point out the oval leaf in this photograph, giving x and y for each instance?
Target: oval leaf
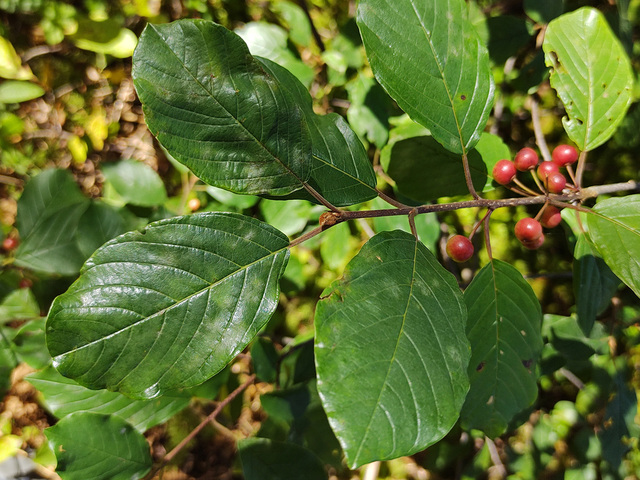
(170, 306)
(62, 397)
(49, 212)
(504, 330)
(215, 110)
(341, 170)
(436, 69)
(591, 73)
(614, 228)
(100, 447)
(392, 330)
(136, 182)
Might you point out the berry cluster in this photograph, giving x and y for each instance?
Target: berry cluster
(528, 230)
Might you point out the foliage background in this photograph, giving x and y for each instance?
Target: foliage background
(67, 101)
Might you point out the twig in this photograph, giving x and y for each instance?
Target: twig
(580, 170)
(495, 457)
(391, 201)
(537, 130)
(487, 235)
(467, 177)
(169, 456)
(314, 30)
(572, 378)
(371, 471)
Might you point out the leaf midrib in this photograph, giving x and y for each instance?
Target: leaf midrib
(238, 123)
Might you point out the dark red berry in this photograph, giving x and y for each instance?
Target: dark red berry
(526, 159)
(459, 248)
(534, 244)
(504, 172)
(545, 169)
(564, 155)
(551, 217)
(528, 230)
(10, 243)
(556, 182)
(25, 283)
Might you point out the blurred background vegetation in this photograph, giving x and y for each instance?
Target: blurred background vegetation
(67, 101)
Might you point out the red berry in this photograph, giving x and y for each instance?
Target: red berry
(551, 217)
(25, 283)
(10, 243)
(545, 169)
(528, 230)
(526, 159)
(534, 244)
(459, 248)
(504, 172)
(564, 155)
(556, 182)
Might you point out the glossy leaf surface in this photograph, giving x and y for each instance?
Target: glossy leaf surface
(341, 169)
(209, 283)
(100, 447)
(212, 106)
(591, 73)
(504, 332)
(428, 56)
(615, 231)
(62, 396)
(392, 330)
(49, 212)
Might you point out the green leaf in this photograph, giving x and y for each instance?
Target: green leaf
(49, 212)
(20, 304)
(414, 161)
(18, 91)
(99, 224)
(504, 331)
(209, 283)
(341, 169)
(270, 41)
(368, 112)
(289, 217)
(619, 422)
(436, 69)
(507, 36)
(264, 459)
(62, 397)
(543, 11)
(594, 284)
(213, 107)
(591, 73)
(296, 21)
(100, 447)
(614, 228)
(336, 246)
(391, 330)
(136, 182)
(30, 346)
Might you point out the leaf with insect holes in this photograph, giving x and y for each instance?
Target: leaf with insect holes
(430, 59)
(591, 73)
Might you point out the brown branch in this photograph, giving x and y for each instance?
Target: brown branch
(537, 130)
(467, 177)
(314, 30)
(178, 448)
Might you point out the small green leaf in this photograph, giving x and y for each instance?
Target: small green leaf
(49, 212)
(436, 69)
(414, 161)
(62, 397)
(368, 112)
(594, 284)
(100, 447)
(392, 330)
(270, 41)
(341, 171)
(264, 459)
(20, 304)
(614, 228)
(213, 107)
(543, 11)
(209, 283)
(18, 91)
(136, 182)
(591, 73)
(504, 331)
